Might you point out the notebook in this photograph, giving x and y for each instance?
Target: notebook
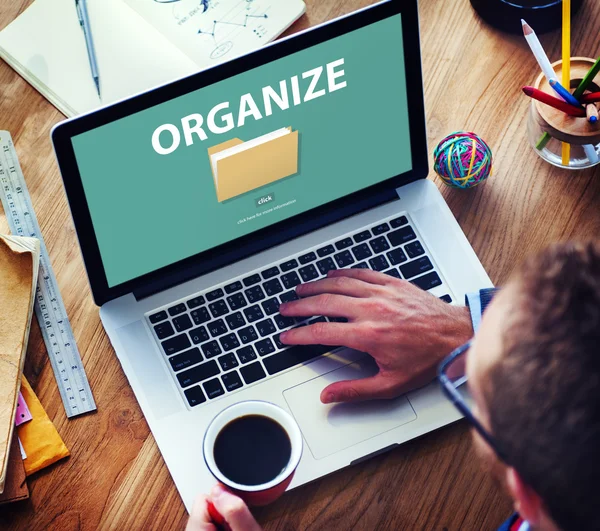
(139, 44)
(19, 261)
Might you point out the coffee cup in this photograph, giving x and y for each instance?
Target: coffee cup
(253, 448)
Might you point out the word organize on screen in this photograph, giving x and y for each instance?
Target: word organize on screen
(193, 123)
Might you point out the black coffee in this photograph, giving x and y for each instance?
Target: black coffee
(252, 450)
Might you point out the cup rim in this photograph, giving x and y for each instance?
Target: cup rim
(253, 407)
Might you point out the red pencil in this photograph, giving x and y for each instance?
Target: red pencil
(546, 98)
(590, 98)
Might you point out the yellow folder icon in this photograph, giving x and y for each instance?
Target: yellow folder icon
(239, 167)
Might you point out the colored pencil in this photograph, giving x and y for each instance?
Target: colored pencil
(566, 66)
(592, 97)
(564, 93)
(591, 154)
(591, 113)
(546, 98)
(538, 51)
(585, 82)
(543, 62)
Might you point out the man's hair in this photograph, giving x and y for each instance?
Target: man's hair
(544, 397)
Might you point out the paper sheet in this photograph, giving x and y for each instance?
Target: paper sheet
(23, 454)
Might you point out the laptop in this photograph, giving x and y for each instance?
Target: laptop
(201, 205)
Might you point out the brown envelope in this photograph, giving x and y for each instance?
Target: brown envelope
(18, 271)
(15, 488)
(255, 167)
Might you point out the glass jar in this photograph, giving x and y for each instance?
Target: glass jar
(548, 128)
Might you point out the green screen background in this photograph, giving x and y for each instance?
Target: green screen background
(152, 210)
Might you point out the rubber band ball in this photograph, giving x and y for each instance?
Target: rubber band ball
(463, 160)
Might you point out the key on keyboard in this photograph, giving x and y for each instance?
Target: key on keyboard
(213, 388)
(271, 272)
(185, 359)
(214, 294)
(327, 264)
(293, 356)
(344, 259)
(246, 354)
(271, 306)
(232, 381)
(400, 236)
(233, 287)
(175, 344)
(253, 372)
(308, 273)
(211, 349)
(324, 251)
(164, 330)
(195, 302)
(416, 267)
(308, 257)
(253, 313)
(177, 309)
(195, 396)
(198, 373)
(160, 316)
(428, 281)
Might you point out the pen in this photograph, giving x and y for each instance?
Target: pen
(539, 95)
(564, 93)
(84, 21)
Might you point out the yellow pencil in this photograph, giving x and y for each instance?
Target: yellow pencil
(566, 65)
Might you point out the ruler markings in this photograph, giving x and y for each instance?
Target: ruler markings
(50, 310)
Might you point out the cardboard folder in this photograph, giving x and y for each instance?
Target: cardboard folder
(255, 167)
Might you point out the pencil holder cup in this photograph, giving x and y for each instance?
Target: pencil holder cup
(548, 128)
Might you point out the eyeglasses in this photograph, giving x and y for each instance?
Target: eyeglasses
(453, 378)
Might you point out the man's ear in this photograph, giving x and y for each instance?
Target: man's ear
(527, 503)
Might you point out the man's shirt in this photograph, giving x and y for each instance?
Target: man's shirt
(477, 303)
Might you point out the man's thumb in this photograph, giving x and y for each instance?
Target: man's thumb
(357, 390)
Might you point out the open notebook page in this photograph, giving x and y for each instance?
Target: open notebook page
(46, 46)
(213, 31)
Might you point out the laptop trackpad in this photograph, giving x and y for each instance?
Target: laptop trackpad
(330, 428)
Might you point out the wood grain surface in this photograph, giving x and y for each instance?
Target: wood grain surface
(116, 479)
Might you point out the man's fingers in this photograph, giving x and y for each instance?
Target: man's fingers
(377, 386)
(340, 285)
(199, 519)
(366, 275)
(333, 334)
(324, 304)
(233, 509)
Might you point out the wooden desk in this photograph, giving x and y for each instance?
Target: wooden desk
(116, 478)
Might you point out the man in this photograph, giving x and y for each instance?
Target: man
(533, 371)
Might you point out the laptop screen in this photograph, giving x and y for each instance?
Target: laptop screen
(254, 149)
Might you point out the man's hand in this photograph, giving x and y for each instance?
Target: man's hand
(407, 331)
(233, 509)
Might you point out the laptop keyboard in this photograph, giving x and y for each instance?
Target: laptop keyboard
(227, 338)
